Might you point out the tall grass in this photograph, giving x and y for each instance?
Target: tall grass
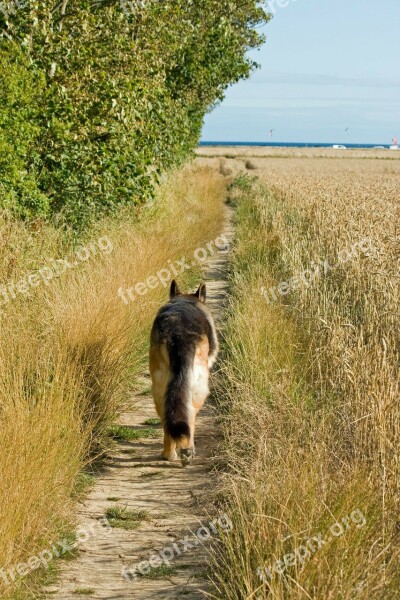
(70, 352)
(310, 395)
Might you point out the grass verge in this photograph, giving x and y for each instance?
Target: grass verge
(309, 409)
(72, 347)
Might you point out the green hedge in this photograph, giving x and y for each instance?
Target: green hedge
(98, 98)
(21, 88)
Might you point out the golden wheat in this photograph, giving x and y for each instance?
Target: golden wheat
(312, 423)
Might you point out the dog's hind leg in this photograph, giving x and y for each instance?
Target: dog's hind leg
(169, 452)
(187, 455)
(186, 445)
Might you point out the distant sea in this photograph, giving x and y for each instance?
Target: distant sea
(293, 144)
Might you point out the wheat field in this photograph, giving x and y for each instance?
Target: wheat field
(310, 392)
(308, 386)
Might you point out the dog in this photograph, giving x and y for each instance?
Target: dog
(183, 348)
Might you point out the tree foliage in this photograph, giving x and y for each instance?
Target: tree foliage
(100, 97)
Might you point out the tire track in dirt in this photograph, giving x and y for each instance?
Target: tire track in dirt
(175, 499)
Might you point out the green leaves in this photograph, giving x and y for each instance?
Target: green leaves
(121, 95)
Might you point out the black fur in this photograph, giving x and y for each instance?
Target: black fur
(180, 324)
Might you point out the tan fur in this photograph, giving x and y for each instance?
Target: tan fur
(192, 391)
(159, 370)
(211, 359)
(201, 373)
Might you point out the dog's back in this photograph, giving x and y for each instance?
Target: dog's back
(182, 349)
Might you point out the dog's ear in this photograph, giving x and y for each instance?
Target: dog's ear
(174, 290)
(201, 293)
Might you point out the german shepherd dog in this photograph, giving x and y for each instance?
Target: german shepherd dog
(183, 347)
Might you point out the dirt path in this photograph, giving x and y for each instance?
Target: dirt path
(174, 500)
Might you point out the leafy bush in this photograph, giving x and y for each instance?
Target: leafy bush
(113, 95)
(21, 88)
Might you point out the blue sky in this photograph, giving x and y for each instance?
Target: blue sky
(326, 65)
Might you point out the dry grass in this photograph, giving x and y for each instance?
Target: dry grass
(312, 418)
(70, 353)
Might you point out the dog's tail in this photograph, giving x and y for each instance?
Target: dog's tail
(177, 397)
